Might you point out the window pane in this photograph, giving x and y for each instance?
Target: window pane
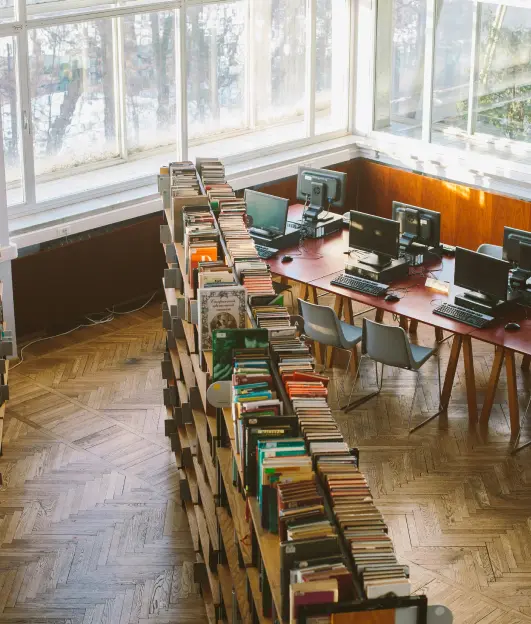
(453, 53)
(47, 8)
(215, 68)
(279, 73)
(331, 65)
(400, 44)
(10, 120)
(504, 85)
(150, 80)
(72, 95)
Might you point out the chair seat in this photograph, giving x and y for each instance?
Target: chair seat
(351, 334)
(421, 354)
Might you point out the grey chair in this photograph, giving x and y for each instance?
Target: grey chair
(496, 251)
(322, 325)
(389, 345)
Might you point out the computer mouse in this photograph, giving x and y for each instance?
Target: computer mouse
(512, 326)
(286, 259)
(390, 298)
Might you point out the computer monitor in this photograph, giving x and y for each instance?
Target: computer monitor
(320, 189)
(266, 212)
(517, 247)
(417, 225)
(376, 235)
(485, 276)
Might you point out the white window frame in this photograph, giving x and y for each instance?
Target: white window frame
(42, 15)
(481, 169)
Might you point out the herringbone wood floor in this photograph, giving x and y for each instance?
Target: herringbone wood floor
(90, 526)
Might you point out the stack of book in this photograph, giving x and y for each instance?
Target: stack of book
(211, 170)
(201, 240)
(256, 277)
(183, 179)
(273, 317)
(363, 528)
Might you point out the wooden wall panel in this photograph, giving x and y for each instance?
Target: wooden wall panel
(469, 216)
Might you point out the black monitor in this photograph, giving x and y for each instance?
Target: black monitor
(486, 276)
(517, 247)
(266, 212)
(417, 225)
(378, 236)
(320, 189)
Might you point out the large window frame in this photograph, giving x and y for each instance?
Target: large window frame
(483, 145)
(30, 16)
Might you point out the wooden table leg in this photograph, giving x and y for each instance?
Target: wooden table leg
(470, 380)
(450, 371)
(492, 385)
(404, 322)
(514, 409)
(284, 280)
(439, 335)
(312, 294)
(379, 315)
(347, 309)
(413, 326)
(526, 362)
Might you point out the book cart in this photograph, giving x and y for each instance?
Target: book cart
(6, 349)
(238, 563)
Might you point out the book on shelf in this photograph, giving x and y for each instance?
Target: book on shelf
(219, 308)
(224, 343)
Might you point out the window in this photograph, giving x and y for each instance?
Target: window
(480, 62)
(95, 94)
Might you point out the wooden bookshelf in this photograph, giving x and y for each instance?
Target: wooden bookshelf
(4, 364)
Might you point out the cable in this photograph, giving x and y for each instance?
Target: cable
(106, 319)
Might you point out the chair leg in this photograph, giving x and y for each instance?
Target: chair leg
(413, 401)
(350, 406)
(441, 409)
(516, 448)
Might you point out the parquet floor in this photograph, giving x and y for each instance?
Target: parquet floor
(91, 530)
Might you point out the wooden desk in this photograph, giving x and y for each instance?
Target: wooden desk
(507, 343)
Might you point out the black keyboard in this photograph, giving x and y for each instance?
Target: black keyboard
(359, 284)
(464, 315)
(266, 252)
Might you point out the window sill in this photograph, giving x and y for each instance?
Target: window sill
(49, 225)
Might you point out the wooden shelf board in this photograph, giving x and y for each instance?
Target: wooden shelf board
(254, 583)
(208, 504)
(239, 576)
(186, 364)
(212, 425)
(209, 362)
(188, 329)
(167, 215)
(225, 582)
(227, 413)
(201, 379)
(192, 523)
(236, 504)
(201, 430)
(171, 297)
(205, 550)
(175, 362)
(269, 544)
(179, 248)
(208, 598)
(192, 437)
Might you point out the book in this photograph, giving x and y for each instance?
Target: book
(219, 308)
(225, 341)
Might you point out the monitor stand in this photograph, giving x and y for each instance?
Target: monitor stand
(376, 261)
(482, 303)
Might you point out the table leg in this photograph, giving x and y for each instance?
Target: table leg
(470, 380)
(439, 335)
(413, 326)
(347, 309)
(450, 371)
(404, 322)
(312, 294)
(514, 409)
(379, 315)
(526, 362)
(492, 385)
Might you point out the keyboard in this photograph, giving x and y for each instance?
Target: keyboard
(359, 284)
(266, 252)
(464, 315)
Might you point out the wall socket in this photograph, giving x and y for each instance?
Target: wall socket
(63, 230)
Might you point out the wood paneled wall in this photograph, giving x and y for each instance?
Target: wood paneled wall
(469, 216)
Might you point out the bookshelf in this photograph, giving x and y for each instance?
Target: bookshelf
(238, 562)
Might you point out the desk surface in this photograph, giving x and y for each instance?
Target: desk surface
(497, 335)
(315, 258)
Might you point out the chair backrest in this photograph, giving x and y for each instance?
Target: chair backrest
(387, 344)
(321, 323)
(491, 250)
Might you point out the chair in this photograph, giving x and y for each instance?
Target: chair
(517, 448)
(322, 325)
(390, 346)
(491, 250)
